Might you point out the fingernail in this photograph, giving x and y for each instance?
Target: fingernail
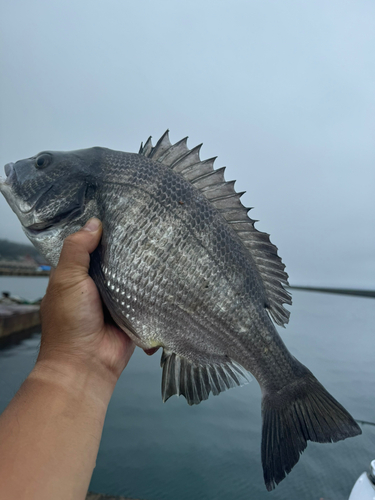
(92, 225)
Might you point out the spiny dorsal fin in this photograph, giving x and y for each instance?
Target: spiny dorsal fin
(223, 197)
(194, 381)
(191, 157)
(161, 146)
(145, 149)
(175, 152)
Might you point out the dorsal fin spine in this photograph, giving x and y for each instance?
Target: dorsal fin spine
(145, 149)
(161, 146)
(227, 196)
(214, 172)
(187, 159)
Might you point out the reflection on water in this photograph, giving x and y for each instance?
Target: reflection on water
(171, 451)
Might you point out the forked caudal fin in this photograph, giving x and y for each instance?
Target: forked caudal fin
(299, 412)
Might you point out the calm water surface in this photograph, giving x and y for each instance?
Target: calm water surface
(171, 451)
(30, 288)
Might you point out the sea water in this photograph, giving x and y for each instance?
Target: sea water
(25, 287)
(171, 451)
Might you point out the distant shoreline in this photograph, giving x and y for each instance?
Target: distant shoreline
(340, 291)
(23, 272)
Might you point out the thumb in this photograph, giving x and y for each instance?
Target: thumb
(78, 246)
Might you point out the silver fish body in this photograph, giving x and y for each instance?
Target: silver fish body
(181, 266)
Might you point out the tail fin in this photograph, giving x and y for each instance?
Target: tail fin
(300, 411)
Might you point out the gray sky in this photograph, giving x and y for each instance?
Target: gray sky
(282, 92)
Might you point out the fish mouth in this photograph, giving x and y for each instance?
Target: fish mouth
(22, 207)
(50, 226)
(26, 210)
(8, 169)
(4, 183)
(9, 174)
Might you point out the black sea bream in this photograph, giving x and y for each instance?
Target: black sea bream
(181, 266)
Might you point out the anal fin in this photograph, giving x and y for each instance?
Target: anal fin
(196, 381)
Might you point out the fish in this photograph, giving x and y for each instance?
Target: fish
(181, 267)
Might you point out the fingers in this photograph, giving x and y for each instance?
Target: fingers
(75, 254)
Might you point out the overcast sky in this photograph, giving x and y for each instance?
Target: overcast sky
(283, 92)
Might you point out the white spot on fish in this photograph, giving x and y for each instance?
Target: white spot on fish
(123, 293)
(128, 296)
(112, 287)
(117, 290)
(108, 283)
(127, 315)
(122, 303)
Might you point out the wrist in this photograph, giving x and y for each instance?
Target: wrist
(89, 382)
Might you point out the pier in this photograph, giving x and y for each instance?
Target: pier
(97, 496)
(22, 271)
(18, 321)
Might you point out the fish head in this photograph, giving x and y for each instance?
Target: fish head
(53, 195)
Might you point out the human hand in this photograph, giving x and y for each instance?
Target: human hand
(73, 324)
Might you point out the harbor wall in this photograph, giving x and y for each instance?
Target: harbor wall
(18, 322)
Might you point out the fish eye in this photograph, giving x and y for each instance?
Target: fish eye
(42, 161)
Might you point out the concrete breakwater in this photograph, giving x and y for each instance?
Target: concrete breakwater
(17, 321)
(97, 496)
(22, 271)
(339, 291)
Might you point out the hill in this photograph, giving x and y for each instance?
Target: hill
(10, 250)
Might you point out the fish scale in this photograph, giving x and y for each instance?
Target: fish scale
(157, 251)
(181, 266)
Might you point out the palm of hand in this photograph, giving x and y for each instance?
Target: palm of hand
(73, 322)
